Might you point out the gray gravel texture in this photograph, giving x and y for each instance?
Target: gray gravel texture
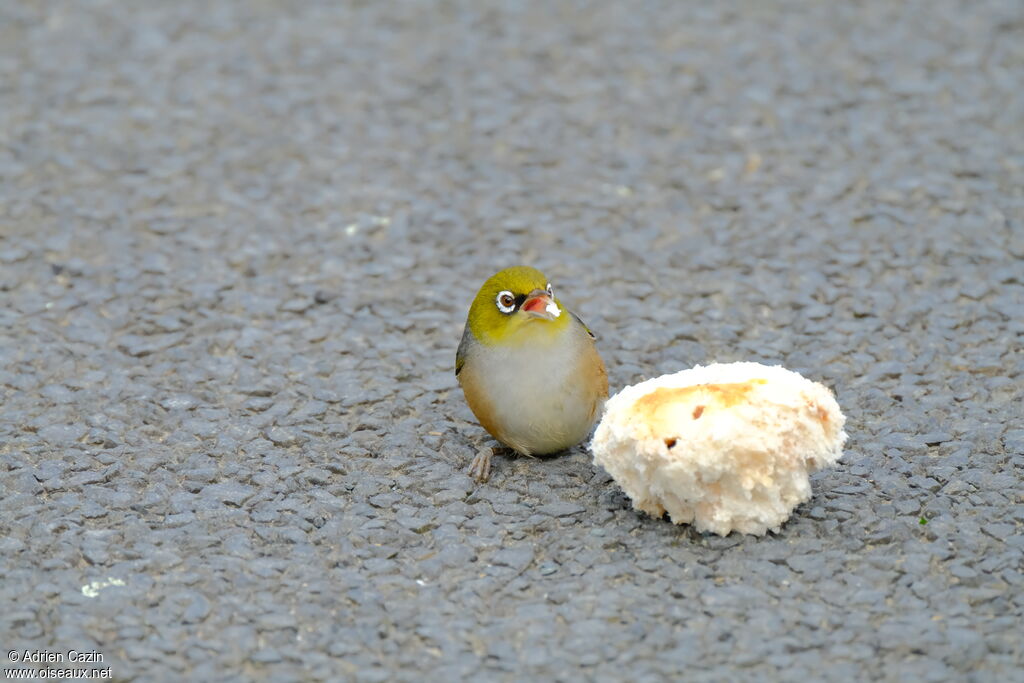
(239, 240)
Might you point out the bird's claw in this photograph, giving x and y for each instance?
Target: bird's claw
(480, 467)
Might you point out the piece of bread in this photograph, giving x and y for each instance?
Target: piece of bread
(724, 447)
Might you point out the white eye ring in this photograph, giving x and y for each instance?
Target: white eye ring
(505, 301)
(551, 292)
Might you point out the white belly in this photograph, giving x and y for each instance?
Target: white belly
(540, 400)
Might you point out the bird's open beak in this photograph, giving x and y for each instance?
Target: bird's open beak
(539, 305)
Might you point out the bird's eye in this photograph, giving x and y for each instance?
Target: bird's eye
(506, 302)
(551, 292)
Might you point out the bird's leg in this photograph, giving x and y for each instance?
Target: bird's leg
(480, 467)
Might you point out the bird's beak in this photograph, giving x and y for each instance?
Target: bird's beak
(539, 305)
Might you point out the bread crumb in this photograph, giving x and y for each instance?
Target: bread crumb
(726, 447)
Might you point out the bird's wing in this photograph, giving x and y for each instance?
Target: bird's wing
(580, 321)
(460, 355)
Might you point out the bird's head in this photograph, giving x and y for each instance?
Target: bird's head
(516, 305)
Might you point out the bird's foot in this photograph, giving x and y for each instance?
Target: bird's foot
(480, 467)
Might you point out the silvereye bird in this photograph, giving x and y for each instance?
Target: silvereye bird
(528, 367)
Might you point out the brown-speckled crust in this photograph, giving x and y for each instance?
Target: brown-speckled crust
(659, 407)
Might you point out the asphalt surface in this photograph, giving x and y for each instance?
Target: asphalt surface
(239, 240)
